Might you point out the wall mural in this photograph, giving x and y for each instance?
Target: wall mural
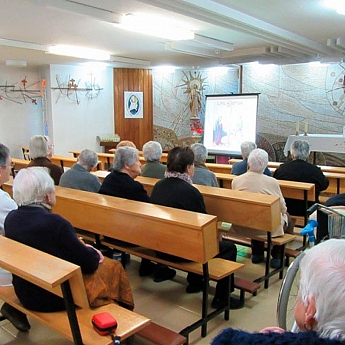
(290, 93)
(179, 99)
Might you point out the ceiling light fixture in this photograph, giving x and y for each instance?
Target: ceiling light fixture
(79, 52)
(338, 5)
(191, 50)
(154, 26)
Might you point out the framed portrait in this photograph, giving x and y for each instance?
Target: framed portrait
(133, 105)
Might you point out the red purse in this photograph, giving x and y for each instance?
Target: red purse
(104, 323)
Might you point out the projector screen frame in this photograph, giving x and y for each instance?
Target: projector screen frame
(229, 143)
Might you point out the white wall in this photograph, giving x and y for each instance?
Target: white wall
(71, 126)
(75, 126)
(19, 118)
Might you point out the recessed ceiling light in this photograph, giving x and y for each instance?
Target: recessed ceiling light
(79, 52)
(154, 26)
(16, 63)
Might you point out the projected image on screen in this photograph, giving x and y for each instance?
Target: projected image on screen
(229, 120)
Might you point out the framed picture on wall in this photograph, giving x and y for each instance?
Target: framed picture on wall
(133, 105)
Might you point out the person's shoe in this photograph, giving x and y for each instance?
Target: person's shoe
(275, 263)
(163, 274)
(16, 317)
(235, 303)
(193, 288)
(147, 268)
(256, 259)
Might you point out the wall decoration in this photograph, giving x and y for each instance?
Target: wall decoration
(172, 111)
(21, 93)
(335, 87)
(133, 105)
(70, 88)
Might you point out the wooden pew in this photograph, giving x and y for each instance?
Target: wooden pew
(232, 206)
(219, 168)
(63, 279)
(185, 234)
(18, 164)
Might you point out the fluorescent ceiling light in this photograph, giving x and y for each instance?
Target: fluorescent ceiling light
(79, 52)
(338, 5)
(154, 26)
(191, 50)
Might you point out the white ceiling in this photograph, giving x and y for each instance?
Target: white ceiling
(269, 31)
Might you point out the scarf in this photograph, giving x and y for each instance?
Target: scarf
(174, 174)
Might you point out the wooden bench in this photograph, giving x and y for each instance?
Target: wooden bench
(290, 189)
(232, 206)
(18, 164)
(189, 235)
(63, 279)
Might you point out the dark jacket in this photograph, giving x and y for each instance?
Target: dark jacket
(301, 171)
(122, 185)
(50, 233)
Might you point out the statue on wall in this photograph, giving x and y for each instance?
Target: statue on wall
(194, 102)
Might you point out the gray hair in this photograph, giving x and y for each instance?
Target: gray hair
(4, 155)
(246, 148)
(258, 160)
(200, 153)
(31, 186)
(300, 149)
(125, 155)
(39, 146)
(88, 159)
(152, 151)
(322, 278)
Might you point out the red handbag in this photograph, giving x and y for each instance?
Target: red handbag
(104, 323)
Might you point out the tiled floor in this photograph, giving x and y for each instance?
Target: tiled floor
(167, 304)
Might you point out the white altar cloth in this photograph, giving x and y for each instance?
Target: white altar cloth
(319, 142)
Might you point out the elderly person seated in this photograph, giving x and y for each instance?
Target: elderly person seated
(7, 204)
(202, 175)
(152, 152)
(300, 170)
(79, 176)
(177, 190)
(240, 168)
(120, 183)
(41, 150)
(35, 225)
(255, 181)
(320, 308)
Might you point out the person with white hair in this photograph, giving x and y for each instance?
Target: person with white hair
(240, 168)
(120, 183)
(34, 225)
(302, 171)
(152, 152)
(202, 174)
(79, 176)
(41, 150)
(7, 204)
(320, 307)
(255, 181)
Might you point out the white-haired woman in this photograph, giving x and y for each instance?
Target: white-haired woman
(152, 152)
(34, 225)
(41, 150)
(320, 308)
